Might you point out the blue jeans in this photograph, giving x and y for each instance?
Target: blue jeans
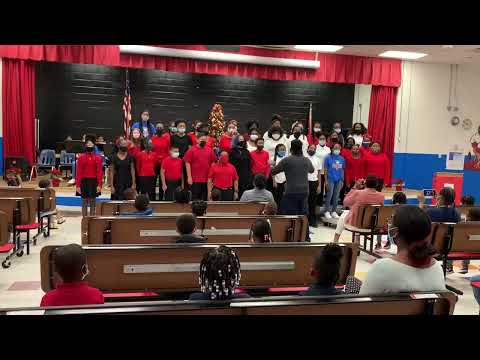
(333, 194)
(476, 290)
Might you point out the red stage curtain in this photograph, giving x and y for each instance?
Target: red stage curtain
(19, 108)
(381, 119)
(76, 54)
(333, 67)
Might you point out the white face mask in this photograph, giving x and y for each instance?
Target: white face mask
(337, 130)
(253, 137)
(317, 130)
(175, 154)
(336, 152)
(276, 136)
(231, 130)
(181, 130)
(322, 142)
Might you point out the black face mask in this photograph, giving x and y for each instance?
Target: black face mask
(357, 131)
(242, 144)
(89, 149)
(159, 132)
(349, 146)
(311, 152)
(297, 134)
(259, 147)
(123, 148)
(334, 140)
(202, 143)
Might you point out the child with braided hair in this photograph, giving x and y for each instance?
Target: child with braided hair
(219, 275)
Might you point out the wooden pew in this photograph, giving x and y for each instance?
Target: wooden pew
(162, 229)
(43, 201)
(174, 267)
(429, 304)
(229, 208)
(372, 220)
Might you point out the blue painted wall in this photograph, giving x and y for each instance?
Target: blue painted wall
(417, 171)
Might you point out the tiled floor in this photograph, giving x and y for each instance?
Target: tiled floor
(20, 284)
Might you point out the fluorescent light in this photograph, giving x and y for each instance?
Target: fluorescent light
(218, 56)
(321, 48)
(408, 55)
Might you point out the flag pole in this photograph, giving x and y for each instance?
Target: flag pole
(310, 119)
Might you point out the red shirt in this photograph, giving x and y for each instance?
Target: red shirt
(222, 176)
(161, 146)
(312, 139)
(378, 165)
(77, 293)
(89, 166)
(200, 160)
(134, 150)
(354, 169)
(260, 163)
(172, 168)
(146, 162)
(225, 143)
(192, 136)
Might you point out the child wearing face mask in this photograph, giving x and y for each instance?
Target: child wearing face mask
(260, 159)
(225, 143)
(197, 128)
(316, 131)
(334, 170)
(161, 146)
(378, 164)
(171, 173)
(70, 263)
(89, 177)
(279, 180)
(322, 151)
(297, 133)
(146, 161)
(240, 158)
(253, 135)
(181, 140)
(335, 138)
(223, 177)
(313, 184)
(145, 126)
(122, 172)
(275, 136)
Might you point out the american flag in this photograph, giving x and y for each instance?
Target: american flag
(127, 109)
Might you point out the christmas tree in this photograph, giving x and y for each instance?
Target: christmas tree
(216, 121)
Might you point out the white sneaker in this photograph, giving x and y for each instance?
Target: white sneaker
(327, 215)
(335, 215)
(71, 182)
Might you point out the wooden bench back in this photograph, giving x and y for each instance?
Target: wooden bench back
(162, 229)
(374, 217)
(229, 208)
(45, 198)
(19, 210)
(175, 267)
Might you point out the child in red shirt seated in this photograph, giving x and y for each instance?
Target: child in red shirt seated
(172, 173)
(71, 265)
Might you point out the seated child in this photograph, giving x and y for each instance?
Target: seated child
(141, 204)
(472, 215)
(45, 184)
(468, 200)
(326, 271)
(261, 232)
(216, 195)
(270, 208)
(186, 227)
(71, 265)
(199, 207)
(182, 196)
(219, 275)
(130, 194)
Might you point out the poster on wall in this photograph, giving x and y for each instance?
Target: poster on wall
(455, 160)
(472, 161)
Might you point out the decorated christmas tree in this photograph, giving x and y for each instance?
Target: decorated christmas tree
(216, 122)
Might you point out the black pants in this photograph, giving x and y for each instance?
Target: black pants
(312, 202)
(278, 193)
(158, 180)
(226, 195)
(172, 185)
(147, 185)
(321, 195)
(380, 184)
(199, 191)
(120, 191)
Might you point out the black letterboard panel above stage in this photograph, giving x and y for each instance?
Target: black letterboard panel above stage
(76, 99)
